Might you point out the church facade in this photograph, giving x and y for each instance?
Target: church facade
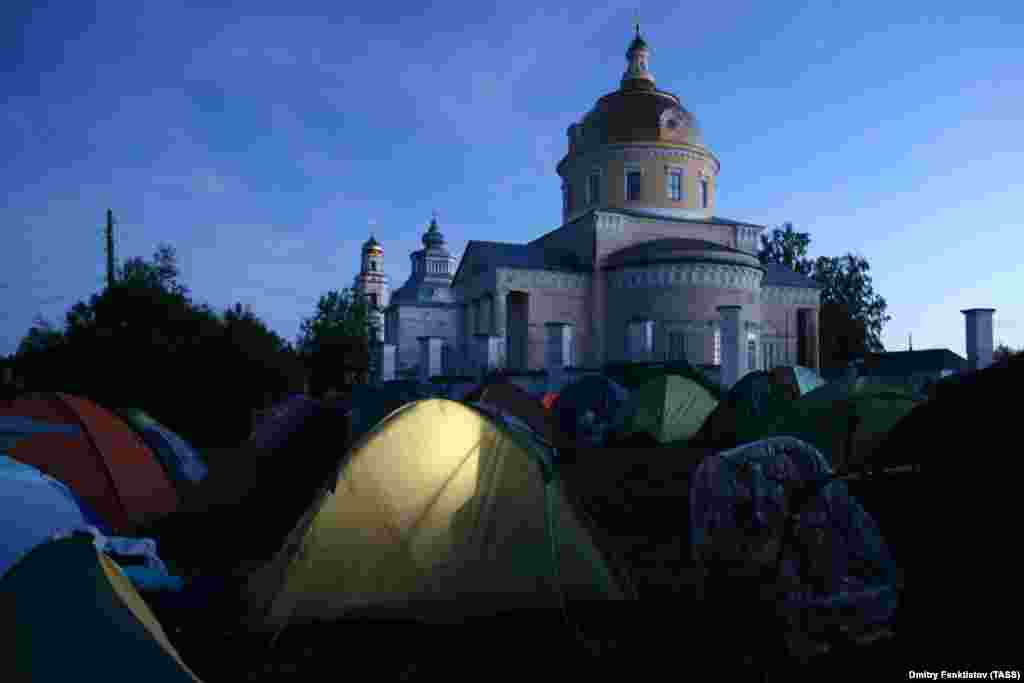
(640, 269)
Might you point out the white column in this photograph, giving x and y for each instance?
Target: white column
(430, 357)
(487, 352)
(558, 352)
(386, 362)
(640, 340)
(732, 355)
(980, 344)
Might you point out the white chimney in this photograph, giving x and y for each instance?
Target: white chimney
(979, 337)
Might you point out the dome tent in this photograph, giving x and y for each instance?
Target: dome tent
(438, 514)
(372, 403)
(846, 421)
(796, 379)
(34, 508)
(669, 408)
(97, 455)
(181, 461)
(740, 416)
(770, 515)
(512, 399)
(69, 613)
(591, 408)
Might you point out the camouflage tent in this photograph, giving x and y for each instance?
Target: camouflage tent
(770, 514)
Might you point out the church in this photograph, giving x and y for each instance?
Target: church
(640, 269)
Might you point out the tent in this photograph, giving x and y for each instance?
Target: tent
(69, 613)
(34, 507)
(97, 455)
(669, 408)
(180, 460)
(436, 515)
(796, 380)
(372, 403)
(830, 569)
(591, 408)
(281, 421)
(846, 421)
(510, 398)
(634, 375)
(739, 417)
(549, 400)
(963, 504)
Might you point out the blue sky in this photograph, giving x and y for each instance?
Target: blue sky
(266, 145)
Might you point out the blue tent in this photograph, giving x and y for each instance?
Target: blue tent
(34, 507)
(181, 461)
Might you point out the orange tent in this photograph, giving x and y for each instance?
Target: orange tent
(517, 402)
(100, 458)
(550, 399)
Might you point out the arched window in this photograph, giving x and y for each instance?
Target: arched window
(373, 266)
(704, 193)
(717, 359)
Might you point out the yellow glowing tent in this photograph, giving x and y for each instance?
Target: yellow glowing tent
(68, 613)
(438, 514)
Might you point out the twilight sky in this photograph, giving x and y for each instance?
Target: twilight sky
(265, 145)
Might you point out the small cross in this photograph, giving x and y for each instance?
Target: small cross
(435, 214)
(636, 14)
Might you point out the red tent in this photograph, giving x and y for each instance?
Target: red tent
(550, 399)
(101, 459)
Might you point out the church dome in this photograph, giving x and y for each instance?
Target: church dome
(372, 245)
(432, 238)
(640, 114)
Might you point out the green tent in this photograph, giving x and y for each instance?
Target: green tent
(741, 415)
(669, 408)
(438, 514)
(69, 613)
(846, 421)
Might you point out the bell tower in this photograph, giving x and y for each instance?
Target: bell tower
(372, 283)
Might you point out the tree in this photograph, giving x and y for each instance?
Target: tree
(787, 247)
(335, 341)
(856, 313)
(43, 336)
(852, 314)
(1003, 353)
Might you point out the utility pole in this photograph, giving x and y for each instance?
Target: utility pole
(110, 248)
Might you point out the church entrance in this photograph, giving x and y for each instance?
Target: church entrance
(517, 325)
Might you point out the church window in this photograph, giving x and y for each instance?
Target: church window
(704, 193)
(633, 179)
(751, 354)
(675, 185)
(717, 360)
(373, 266)
(373, 299)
